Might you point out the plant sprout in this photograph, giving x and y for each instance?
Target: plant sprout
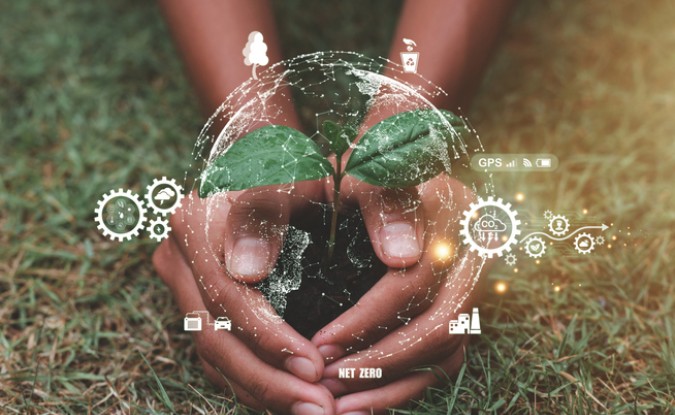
(401, 151)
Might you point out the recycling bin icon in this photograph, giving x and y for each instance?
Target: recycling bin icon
(409, 60)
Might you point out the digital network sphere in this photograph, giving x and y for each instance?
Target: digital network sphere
(343, 87)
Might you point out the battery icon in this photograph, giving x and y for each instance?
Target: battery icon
(544, 163)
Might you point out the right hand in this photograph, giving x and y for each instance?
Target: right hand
(207, 266)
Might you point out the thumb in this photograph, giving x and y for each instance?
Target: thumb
(394, 222)
(254, 231)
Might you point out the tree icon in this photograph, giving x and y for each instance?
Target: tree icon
(255, 52)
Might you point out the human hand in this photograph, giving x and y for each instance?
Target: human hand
(405, 315)
(217, 246)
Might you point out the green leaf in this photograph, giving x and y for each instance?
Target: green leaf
(274, 154)
(338, 137)
(406, 149)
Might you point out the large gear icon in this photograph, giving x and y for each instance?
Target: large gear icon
(584, 243)
(558, 225)
(159, 229)
(127, 221)
(151, 197)
(535, 247)
(505, 246)
(510, 259)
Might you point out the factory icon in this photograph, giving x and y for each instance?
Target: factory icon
(466, 323)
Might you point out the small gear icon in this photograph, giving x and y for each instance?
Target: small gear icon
(159, 229)
(510, 259)
(168, 189)
(120, 215)
(548, 214)
(476, 245)
(558, 225)
(535, 247)
(599, 240)
(584, 243)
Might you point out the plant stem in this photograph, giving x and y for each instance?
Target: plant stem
(337, 178)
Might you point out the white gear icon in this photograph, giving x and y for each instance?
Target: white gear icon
(599, 240)
(548, 214)
(584, 243)
(510, 259)
(175, 188)
(530, 245)
(159, 229)
(558, 225)
(135, 204)
(465, 224)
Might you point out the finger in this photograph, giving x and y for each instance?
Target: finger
(403, 294)
(241, 395)
(253, 319)
(393, 218)
(398, 394)
(273, 388)
(425, 340)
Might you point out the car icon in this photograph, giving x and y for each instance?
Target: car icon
(222, 323)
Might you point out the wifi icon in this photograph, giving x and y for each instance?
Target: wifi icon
(527, 163)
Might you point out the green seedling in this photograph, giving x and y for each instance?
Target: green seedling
(401, 151)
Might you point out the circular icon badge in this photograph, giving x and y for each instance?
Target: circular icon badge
(584, 243)
(535, 247)
(490, 227)
(164, 196)
(159, 229)
(120, 215)
(559, 225)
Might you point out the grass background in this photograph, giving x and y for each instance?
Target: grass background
(93, 97)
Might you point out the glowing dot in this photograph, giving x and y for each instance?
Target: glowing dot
(505, 238)
(443, 250)
(520, 196)
(501, 287)
(556, 288)
(515, 270)
(538, 262)
(585, 211)
(614, 237)
(609, 246)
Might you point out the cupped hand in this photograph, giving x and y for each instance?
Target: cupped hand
(401, 324)
(217, 246)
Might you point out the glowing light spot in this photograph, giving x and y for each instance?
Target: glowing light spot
(443, 250)
(520, 196)
(609, 246)
(515, 270)
(585, 211)
(501, 287)
(505, 238)
(538, 262)
(614, 237)
(556, 288)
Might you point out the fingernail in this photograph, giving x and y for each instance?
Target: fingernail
(399, 240)
(250, 257)
(334, 386)
(303, 368)
(331, 352)
(306, 408)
